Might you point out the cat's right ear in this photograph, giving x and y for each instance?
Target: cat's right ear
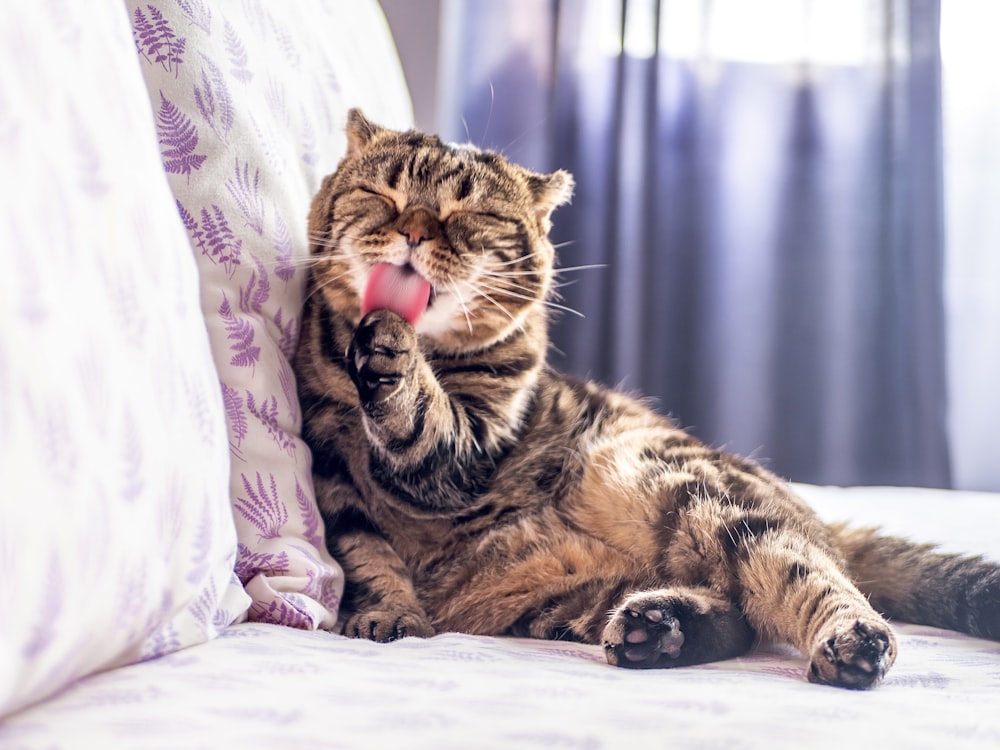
(360, 131)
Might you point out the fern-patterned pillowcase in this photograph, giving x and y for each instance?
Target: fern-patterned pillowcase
(117, 541)
(250, 101)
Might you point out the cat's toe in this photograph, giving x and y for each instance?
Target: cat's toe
(854, 656)
(384, 626)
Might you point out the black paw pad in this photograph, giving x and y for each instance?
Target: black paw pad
(643, 636)
(855, 657)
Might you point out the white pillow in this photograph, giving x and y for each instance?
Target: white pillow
(250, 101)
(116, 535)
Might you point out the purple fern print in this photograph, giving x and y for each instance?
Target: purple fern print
(289, 331)
(214, 101)
(190, 223)
(324, 588)
(88, 157)
(313, 532)
(268, 146)
(203, 608)
(330, 78)
(156, 41)
(309, 154)
(178, 139)
(285, 270)
(50, 614)
(257, 290)
(287, 379)
(201, 411)
(132, 475)
(233, 404)
(255, 15)
(237, 54)
(267, 414)
(164, 640)
(262, 507)
(281, 611)
(217, 240)
(246, 192)
(286, 43)
(198, 13)
(199, 566)
(250, 564)
(240, 332)
(275, 94)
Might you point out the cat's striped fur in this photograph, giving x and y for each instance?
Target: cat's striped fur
(468, 487)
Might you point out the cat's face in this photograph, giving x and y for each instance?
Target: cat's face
(463, 222)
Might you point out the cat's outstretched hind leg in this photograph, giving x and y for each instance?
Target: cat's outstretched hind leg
(675, 627)
(789, 584)
(795, 591)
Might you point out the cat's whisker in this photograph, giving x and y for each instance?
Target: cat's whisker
(500, 307)
(465, 309)
(505, 283)
(556, 271)
(566, 269)
(326, 282)
(519, 259)
(548, 303)
(331, 239)
(305, 261)
(489, 116)
(511, 274)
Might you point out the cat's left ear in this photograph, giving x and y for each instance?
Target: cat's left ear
(549, 192)
(360, 131)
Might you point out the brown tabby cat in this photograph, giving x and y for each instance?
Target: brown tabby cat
(468, 487)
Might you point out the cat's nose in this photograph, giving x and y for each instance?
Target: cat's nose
(413, 236)
(418, 225)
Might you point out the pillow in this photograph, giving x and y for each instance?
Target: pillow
(116, 535)
(250, 102)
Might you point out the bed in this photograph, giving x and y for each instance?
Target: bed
(261, 685)
(164, 579)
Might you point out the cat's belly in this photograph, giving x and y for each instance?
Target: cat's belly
(519, 569)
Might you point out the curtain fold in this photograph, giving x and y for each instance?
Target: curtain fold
(769, 229)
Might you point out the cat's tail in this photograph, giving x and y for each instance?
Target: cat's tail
(917, 584)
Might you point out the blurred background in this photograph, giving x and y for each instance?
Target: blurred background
(794, 204)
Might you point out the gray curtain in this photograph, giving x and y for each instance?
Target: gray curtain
(770, 234)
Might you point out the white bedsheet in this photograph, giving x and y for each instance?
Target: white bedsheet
(273, 687)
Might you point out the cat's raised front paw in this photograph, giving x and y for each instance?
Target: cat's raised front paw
(856, 655)
(381, 355)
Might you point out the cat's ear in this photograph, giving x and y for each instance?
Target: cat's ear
(549, 192)
(360, 131)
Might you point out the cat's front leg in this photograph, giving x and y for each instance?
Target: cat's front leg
(394, 389)
(379, 594)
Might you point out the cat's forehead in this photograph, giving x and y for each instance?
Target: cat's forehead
(437, 172)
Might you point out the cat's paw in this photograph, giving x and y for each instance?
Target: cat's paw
(381, 355)
(384, 625)
(644, 632)
(853, 655)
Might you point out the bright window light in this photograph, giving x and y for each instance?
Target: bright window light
(820, 32)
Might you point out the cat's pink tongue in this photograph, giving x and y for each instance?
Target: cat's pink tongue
(396, 288)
